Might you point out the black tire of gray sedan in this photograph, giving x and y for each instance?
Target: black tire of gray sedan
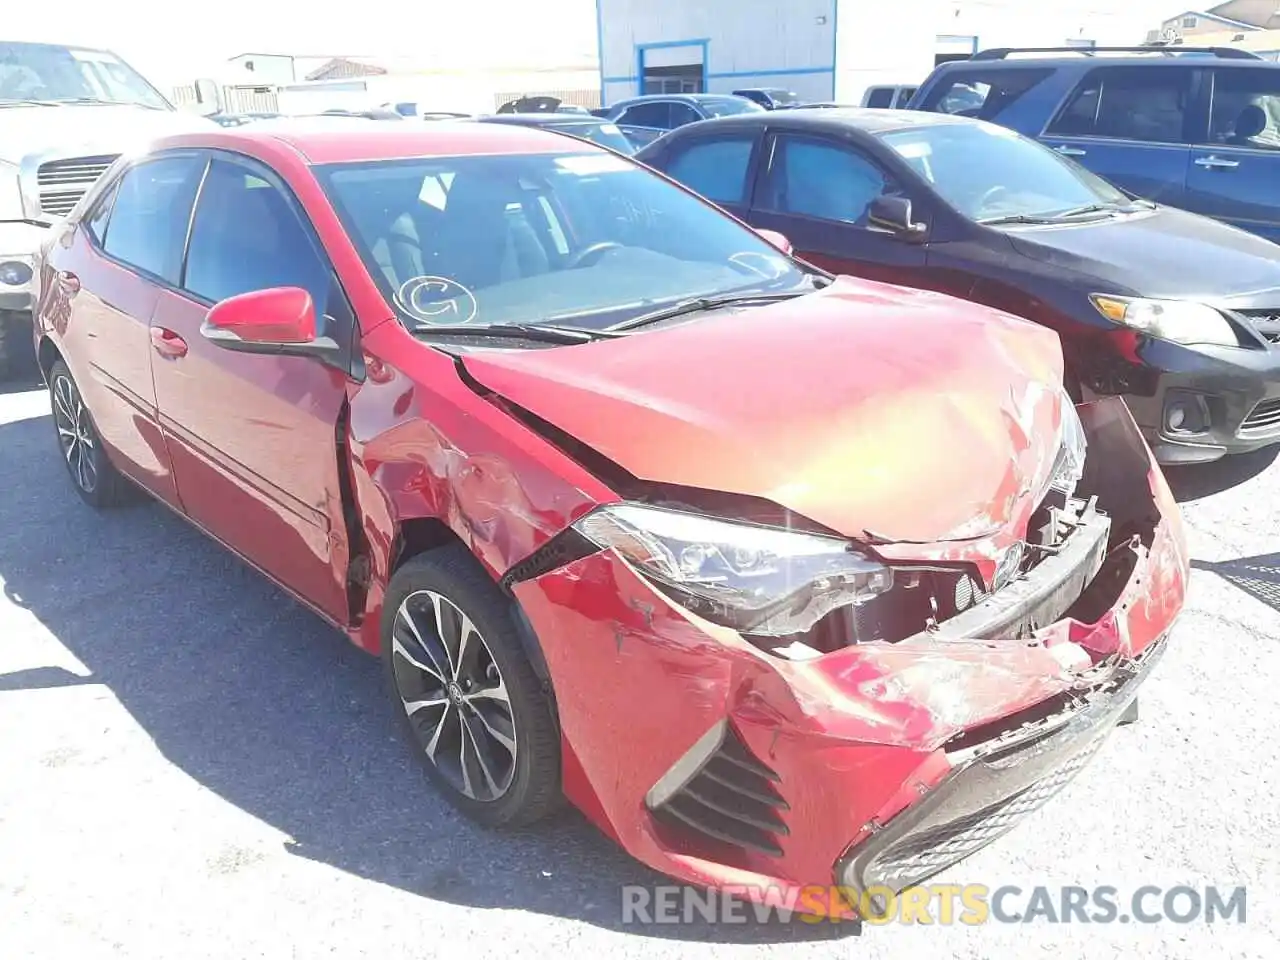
(473, 707)
(99, 483)
(8, 345)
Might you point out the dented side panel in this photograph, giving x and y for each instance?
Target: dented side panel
(424, 446)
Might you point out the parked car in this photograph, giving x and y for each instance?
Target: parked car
(771, 98)
(636, 508)
(644, 119)
(585, 126)
(1196, 128)
(1178, 313)
(65, 113)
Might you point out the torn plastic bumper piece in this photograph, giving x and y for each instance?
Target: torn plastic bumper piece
(990, 789)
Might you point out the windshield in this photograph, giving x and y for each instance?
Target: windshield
(727, 106)
(605, 134)
(47, 73)
(587, 239)
(987, 172)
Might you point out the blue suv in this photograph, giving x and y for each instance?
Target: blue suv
(1197, 128)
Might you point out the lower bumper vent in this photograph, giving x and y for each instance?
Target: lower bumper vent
(731, 799)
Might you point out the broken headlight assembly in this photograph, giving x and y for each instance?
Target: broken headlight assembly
(760, 580)
(1068, 464)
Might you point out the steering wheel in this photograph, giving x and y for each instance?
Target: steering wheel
(990, 195)
(591, 251)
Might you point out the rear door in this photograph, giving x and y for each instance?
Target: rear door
(1235, 163)
(254, 438)
(127, 250)
(720, 167)
(818, 191)
(646, 121)
(1132, 126)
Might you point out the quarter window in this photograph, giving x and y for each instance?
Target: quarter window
(717, 169)
(96, 224)
(1246, 109)
(1128, 103)
(148, 221)
(823, 180)
(247, 237)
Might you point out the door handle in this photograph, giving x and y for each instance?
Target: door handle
(167, 343)
(1217, 163)
(1067, 151)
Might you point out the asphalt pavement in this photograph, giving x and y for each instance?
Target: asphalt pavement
(193, 766)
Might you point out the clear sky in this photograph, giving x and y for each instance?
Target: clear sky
(173, 42)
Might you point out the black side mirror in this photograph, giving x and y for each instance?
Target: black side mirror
(893, 214)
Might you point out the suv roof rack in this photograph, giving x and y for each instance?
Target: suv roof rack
(1225, 53)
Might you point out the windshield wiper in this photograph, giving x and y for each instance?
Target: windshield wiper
(543, 332)
(702, 304)
(99, 101)
(28, 102)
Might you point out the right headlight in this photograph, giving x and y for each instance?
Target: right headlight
(1181, 321)
(760, 580)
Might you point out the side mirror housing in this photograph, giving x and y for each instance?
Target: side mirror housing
(894, 215)
(776, 239)
(279, 321)
(208, 97)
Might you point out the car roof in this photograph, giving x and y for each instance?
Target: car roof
(547, 119)
(323, 140)
(867, 120)
(1069, 61)
(682, 97)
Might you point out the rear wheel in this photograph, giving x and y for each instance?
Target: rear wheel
(471, 703)
(99, 483)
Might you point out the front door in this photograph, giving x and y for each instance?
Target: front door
(1235, 169)
(253, 438)
(817, 193)
(1132, 126)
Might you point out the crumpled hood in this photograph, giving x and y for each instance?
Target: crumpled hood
(864, 407)
(1165, 253)
(69, 129)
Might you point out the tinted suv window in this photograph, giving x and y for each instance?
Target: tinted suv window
(981, 93)
(647, 115)
(148, 221)
(717, 169)
(247, 237)
(1128, 103)
(880, 97)
(823, 180)
(1246, 109)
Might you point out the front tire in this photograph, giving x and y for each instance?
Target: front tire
(470, 702)
(99, 483)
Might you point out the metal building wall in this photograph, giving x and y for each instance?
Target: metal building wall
(743, 43)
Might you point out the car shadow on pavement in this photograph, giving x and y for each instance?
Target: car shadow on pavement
(261, 702)
(1258, 576)
(1197, 481)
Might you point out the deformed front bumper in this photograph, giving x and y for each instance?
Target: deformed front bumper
(991, 787)
(873, 765)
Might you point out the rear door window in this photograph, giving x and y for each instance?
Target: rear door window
(148, 221)
(714, 167)
(1147, 104)
(880, 97)
(647, 115)
(682, 113)
(983, 94)
(1246, 109)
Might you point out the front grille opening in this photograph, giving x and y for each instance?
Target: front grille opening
(1264, 416)
(61, 183)
(1266, 321)
(921, 855)
(732, 804)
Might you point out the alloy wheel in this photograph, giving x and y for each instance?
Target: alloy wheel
(75, 434)
(454, 696)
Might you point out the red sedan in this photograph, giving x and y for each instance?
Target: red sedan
(783, 580)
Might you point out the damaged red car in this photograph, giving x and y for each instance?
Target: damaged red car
(782, 579)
